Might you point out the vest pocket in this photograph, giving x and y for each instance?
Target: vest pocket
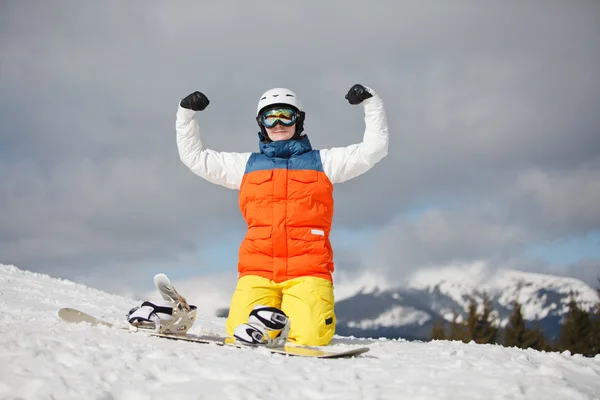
(259, 232)
(258, 177)
(304, 176)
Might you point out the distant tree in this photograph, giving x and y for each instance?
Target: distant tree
(576, 331)
(535, 339)
(515, 332)
(479, 326)
(596, 325)
(457, 330)
(470, 333)
(486, 332)
(439, 330)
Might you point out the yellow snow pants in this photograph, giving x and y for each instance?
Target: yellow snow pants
(307, 301)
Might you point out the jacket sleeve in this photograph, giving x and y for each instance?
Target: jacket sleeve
(226, 169)
(343, 163)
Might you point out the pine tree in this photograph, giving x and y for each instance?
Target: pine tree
(470, 333)
(535, 339)
(479, 326)
(439, 330)
(576, 331)
(486, 332)
(457, 330)
(515, 333)
(595, 342)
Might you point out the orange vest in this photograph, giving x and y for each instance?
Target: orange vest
(287, 202)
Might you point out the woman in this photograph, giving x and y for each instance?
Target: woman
(286, 198)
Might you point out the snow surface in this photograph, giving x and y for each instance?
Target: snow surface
(45, 358)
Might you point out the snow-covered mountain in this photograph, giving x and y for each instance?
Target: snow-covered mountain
(45, 358)
(410, 311)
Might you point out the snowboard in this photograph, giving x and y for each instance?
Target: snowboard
(72, 315)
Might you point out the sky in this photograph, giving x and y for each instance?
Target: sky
(493, 117)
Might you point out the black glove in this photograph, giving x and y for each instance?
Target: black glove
(196, 101)
(357, 94)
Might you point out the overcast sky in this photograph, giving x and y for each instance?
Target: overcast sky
(493, 111)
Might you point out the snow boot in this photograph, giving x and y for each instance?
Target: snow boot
(267, 326)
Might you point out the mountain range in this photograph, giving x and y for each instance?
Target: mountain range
(410, 311)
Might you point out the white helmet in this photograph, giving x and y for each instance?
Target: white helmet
(278, 96)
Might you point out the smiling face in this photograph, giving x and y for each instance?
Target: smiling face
(280, 132)
(279, 122)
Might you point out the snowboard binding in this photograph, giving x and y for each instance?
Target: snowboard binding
(162, 318)
(267, 326)
(182, 319)
(174, 315)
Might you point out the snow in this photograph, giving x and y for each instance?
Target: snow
(459, 281)
(531, 307)
(395, 316)
(45, 358)
(347, 285)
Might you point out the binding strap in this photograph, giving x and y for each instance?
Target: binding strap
(150, 312)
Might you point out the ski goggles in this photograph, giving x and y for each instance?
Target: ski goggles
(283, 116)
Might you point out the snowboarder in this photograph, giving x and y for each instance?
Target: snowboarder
(286, 198)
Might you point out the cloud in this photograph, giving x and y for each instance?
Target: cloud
(498, 225)
(587, 270)
(561, 201)
(491, 107)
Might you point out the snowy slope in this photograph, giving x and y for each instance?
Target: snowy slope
(44, 358)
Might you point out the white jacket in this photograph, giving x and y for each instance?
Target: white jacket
(339, 163)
